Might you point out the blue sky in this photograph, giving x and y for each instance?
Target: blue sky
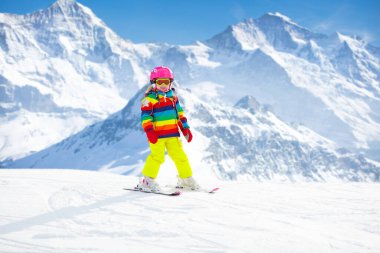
(185, 21)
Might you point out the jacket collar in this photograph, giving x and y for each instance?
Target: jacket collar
(168, 93)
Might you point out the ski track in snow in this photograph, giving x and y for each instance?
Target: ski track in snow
(86, 211)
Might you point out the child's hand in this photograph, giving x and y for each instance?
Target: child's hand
(187, 133)
(152, 136)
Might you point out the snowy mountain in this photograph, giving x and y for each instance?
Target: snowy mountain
(329, 83)
(72, 211)
(64, 69)
(245, 142)
(61, 65)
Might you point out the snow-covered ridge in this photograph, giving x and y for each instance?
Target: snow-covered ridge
(244, 142)
(60, 64)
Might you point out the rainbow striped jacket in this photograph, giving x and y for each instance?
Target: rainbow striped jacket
(163, 113)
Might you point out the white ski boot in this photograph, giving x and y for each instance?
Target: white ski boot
(187, 184)
(148, 184)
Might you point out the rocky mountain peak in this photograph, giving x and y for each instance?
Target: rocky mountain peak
(249, 103)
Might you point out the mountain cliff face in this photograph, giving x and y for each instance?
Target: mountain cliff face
(60, 65)
(246, 141)
(328, 82)
(63, 69)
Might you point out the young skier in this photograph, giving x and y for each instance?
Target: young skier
(161, 115)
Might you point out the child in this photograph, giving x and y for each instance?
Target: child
(161, 115)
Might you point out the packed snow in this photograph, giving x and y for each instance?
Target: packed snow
(83, 211)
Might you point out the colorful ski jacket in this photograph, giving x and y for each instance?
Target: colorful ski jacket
(163, 113)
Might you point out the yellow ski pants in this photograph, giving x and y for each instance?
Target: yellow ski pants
(157, 156)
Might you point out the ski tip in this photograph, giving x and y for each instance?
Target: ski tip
(175, 193)
(214, 190)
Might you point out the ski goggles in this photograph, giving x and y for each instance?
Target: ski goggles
(163, 81)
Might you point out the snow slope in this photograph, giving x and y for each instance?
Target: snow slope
(80, 211)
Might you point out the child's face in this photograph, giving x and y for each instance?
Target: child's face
(163, 84)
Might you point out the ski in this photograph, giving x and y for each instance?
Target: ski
(175, 193)
(213, 190)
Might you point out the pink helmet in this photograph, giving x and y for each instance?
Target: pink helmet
(161, 72)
